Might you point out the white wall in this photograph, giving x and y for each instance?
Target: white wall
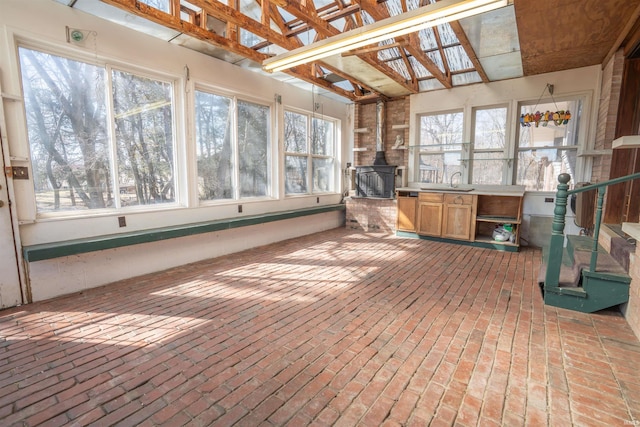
(577, 82)
(41, 24)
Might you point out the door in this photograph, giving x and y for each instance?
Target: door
(10, 290)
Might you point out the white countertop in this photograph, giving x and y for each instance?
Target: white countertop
(632, 229)
(493, 190)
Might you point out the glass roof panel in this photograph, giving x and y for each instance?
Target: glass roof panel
(400, 67)
(465, 78)
(394, 7)
(418, 68)
(447, 36)
(286, 16)
(427, 39)
(251, 8)
(437, 59)
(338, 24)
(162, 5)
(366, 18)
(413, 4)
(430, 84)
(457, 58)
(387, 54)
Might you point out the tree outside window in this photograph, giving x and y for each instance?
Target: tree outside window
(308, 141)
(547, 150)
(441, 146)
(489, 145)
(76, 163)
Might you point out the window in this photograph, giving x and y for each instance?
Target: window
(77, 162)
(222, 137)
(253, 149)
(441, 146)
(489, 144)
(213, 146)
(309, 141)
(548, 149)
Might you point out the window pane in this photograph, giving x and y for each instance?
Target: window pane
(295, 133)
(438, 168)
(144, 139)
(488, 167)
(489, 134)
(323, 175)
(66, 123)
(213, 146)
(295, 175)
(323, 137)
(539, 169)
(441, 131)
(490, 128)
(253, 149)
(551, 134)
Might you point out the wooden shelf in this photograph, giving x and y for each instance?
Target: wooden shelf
(498, 219)
(487, 239)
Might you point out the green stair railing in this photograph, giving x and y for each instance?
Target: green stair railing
(556, 246)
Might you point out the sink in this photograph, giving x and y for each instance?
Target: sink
(448, 189)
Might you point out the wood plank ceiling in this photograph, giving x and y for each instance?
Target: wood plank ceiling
(552, 36)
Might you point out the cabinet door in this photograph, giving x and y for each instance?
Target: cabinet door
(457, 221)
(430, 219)
(407, 207)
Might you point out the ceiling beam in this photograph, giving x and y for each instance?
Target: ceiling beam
(466, 45)
(174, 22)
(380, 12)
(325, 29)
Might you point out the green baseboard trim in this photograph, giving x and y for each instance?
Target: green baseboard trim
(78, 246)
(477, 244)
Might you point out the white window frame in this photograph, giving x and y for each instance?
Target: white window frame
(477, 153)
(310, 156)
(109, 65)
(462, 152)
(235, 99)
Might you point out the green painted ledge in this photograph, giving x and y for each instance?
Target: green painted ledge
(475, 244)
(79, 246)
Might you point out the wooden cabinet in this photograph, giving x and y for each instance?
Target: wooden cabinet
(430, 206)
(496, 211)
(407, 209)
(459, 216)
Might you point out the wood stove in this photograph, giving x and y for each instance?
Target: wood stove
(375, 181)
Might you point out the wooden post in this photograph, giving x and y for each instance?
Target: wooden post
(556, 246)
(596, 230)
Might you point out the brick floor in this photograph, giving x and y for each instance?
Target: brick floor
(337, 328)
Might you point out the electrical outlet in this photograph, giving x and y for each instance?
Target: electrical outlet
(122, 221)
(548, 199)
(239, 208)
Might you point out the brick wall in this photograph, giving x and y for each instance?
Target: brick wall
(378, 215)
(396, 113)
(372, 215)
(632, 309)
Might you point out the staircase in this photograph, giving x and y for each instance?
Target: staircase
(583, 276)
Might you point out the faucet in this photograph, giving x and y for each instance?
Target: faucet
(451, 180)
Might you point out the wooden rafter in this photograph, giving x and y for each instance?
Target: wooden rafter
(173, 21)
(466, 45)
(378, 13)
(327, 30)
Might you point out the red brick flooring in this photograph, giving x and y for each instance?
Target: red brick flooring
(337, 328)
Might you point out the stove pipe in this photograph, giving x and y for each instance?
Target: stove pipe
(380, 157)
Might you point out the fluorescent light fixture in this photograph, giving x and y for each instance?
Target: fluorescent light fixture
(410, 22)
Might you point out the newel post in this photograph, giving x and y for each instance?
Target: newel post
(556, 246)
